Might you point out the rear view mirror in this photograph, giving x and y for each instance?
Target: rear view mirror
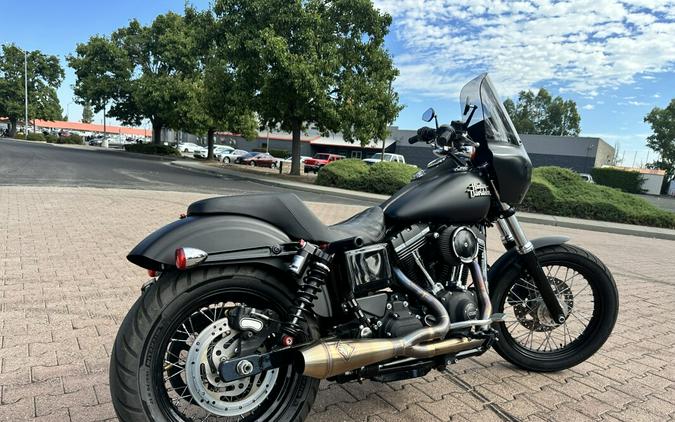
(429, 114)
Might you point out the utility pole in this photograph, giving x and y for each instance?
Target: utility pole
(634, 158)
(25, 93)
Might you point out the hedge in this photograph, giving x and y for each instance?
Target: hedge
(277, 153)
(71, 139)
(152, 149)
(627, 181)
(382, 177)
(36, 136)
(559, 191)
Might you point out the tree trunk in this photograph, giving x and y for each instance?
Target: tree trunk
(12, 127)
(295, 148)
(209, 141)
(156, 133)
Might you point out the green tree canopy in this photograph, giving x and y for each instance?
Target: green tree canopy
(44, 77)
(87, 113)
(541, 114)
(311, 63)
(143, 71)
(662, 139)
(220, 102)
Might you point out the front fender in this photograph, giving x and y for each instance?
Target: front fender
(510, 257)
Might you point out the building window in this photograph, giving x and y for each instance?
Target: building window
(356, 154)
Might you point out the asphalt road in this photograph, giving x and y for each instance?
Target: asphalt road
(38, 164)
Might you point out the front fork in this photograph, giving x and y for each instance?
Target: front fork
(513, 236)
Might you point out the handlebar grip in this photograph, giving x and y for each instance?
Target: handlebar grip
(413, 139)
(445, 136)
(426, 133)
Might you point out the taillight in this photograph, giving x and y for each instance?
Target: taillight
(181, 260)
(152, 273)
(189, 257)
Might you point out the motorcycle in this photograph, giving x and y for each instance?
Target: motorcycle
(253, 300)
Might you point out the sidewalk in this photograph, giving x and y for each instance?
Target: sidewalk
(525, 217)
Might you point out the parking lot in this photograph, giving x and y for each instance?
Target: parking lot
(65, 286)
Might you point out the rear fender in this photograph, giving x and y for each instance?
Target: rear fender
(227, 239)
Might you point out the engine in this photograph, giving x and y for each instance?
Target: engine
(433, 257)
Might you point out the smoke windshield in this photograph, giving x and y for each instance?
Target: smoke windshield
(481, 94)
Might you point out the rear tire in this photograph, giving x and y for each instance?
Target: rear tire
(138, 359)
(515, 282)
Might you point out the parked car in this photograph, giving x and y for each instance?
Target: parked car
(303, 158)
(187, 147)
(231, 157)
(220, 150)
(587, 177)
(200, 152)
(392, 158)
(259, 159)
(315, 163)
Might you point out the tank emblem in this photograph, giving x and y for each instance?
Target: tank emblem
(345, 350)
(477, 189)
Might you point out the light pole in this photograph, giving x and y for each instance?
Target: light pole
(68, 110)
(25, 93)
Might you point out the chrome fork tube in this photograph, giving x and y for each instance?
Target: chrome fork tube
(511, 231)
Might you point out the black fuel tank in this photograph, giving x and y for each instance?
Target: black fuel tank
(442, 195)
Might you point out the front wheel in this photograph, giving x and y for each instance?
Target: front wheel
(585, 288)
(164, 363)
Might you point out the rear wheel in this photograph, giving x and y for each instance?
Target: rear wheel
(164, 363)
(587, 293)
(226, 160)
(251, 163)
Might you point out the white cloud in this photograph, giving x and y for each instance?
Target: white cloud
(633, 103)
(582, 45)
(588, 107)
(656, 95)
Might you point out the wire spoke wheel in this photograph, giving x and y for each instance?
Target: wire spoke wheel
(529, 322)
(191, 379)
(587, 294)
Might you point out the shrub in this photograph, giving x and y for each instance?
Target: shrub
(36, 137)
(278, 153)
(52, 139)
(562, 192)
(71, 139)
(386, 177)
(152, 149)
(383, 177)
(346, 174)
(626, 180)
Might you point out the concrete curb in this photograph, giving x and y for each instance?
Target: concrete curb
(199, 167)
(525, 217)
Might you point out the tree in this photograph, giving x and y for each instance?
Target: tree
(87, 113)
(44, 77)
(220, 103)
(662, 139)
(143, 71)
(542, 114)
(311, 63)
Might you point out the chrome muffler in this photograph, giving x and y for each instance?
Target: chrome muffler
(328, 359)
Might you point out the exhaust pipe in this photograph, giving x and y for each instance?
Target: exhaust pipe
(328, 359)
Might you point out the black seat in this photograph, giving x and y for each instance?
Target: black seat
(287, 212)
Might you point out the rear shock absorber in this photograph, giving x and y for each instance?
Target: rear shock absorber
(317, 263)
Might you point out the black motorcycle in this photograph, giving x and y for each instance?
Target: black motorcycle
(253, 300)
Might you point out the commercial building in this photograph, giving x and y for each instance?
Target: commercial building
(578, 153)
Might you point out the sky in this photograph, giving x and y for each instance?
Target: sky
(615, 58)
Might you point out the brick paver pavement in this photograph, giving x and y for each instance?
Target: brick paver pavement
(65, 286)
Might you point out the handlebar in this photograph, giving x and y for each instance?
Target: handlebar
(425, 134)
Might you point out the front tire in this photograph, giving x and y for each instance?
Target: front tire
(529, 338)
(141, 382)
